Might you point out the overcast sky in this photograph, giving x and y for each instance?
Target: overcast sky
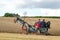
(31, 7)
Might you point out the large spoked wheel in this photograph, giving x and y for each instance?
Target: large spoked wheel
(44, 31)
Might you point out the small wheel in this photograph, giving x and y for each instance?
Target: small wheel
(25, 28)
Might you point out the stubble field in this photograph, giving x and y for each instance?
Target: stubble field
(9, 29)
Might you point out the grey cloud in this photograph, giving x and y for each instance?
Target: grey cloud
(2, 5)
(44, 4)
(53, 5)
(51, 0)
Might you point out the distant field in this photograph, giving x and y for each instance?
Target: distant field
(7, 25)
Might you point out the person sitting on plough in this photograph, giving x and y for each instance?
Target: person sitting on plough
(44, 28)
(37, 25)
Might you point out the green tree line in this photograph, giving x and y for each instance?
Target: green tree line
(10, 15)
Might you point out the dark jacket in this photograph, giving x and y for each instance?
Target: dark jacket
(43, 24)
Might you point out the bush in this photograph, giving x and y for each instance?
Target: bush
(10, 15)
